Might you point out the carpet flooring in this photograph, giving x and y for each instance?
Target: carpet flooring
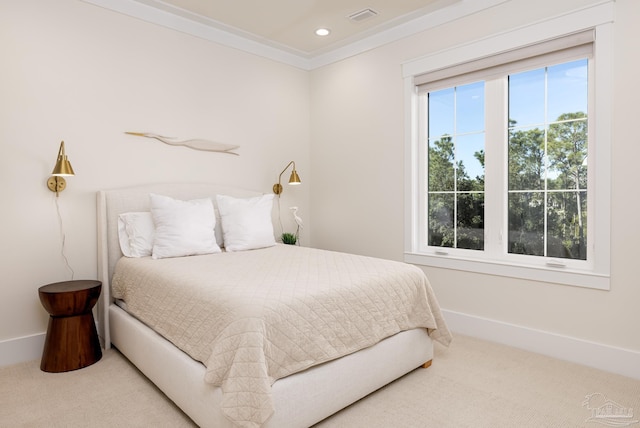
(473, 383)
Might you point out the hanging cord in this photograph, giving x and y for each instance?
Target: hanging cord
(63, 238)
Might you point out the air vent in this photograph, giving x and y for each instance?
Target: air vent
(363, 14)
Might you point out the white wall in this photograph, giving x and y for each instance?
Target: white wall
(357, 161)
(76, 72)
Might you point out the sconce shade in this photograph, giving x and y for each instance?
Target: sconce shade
(56, 183)
(63, 166)
(293, 179)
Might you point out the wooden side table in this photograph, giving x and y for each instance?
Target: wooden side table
(72, 340)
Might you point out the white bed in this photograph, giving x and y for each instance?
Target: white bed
(300, 400)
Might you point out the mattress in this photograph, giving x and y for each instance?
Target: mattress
(256, 316)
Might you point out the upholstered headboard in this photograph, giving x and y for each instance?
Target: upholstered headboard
(112, 203)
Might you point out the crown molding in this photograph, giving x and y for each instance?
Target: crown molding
(217, 32)
(434, 19)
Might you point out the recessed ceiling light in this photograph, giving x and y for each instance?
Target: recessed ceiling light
(322, 32)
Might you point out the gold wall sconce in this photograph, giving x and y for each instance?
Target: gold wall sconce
(56, 183)
(294, 179)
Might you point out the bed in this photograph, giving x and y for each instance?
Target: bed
(205, 371)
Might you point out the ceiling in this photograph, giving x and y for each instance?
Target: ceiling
(284, 30)
(291, 24)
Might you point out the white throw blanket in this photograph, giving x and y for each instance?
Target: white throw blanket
(257, 316)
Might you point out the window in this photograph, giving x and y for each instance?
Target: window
(504, 177)
(455, 167)
(547, 161)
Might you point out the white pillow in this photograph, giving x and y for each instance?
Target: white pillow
(183, 228)
(246, 223)
(135, 232)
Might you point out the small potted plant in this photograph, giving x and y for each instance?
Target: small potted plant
(289, 238)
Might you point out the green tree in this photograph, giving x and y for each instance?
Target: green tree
(556, 189)
(547, 176)
(441, 179)
(441, 165)
(454, 195)
(526, 158)
(567, 153)
(526, 174)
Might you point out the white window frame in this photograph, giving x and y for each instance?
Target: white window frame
(595, 274)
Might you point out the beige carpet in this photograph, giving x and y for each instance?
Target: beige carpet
(471, 384)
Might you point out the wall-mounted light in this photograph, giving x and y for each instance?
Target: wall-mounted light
(57, 183)
(293, 179)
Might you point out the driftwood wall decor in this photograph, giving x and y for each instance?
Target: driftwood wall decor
(196, 144)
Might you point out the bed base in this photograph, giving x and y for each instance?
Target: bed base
(300, 400)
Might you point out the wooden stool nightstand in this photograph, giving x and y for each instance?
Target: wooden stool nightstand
(72, 340)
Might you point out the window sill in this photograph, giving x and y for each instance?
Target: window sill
(533, 273)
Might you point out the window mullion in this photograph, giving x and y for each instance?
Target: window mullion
(495, 169)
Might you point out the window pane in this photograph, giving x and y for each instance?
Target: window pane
(567, 89)
(441, 113)
(526, 159)
(470, 108)
(526, 223)
(527, 98)
(470, 162)
(470, 224)
(441, 211)
(567, 152)
(455, 177)
(548, 164)
(441, 165)
(567, 225)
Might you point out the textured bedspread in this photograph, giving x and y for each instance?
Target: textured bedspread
(256, 316)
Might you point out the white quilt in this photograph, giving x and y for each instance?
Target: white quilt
(256, 316)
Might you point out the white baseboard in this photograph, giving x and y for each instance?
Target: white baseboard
(604, 357)
(20, 349)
